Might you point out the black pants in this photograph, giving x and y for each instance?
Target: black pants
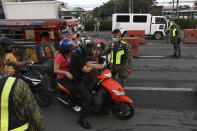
(70, 85)
(87, 99)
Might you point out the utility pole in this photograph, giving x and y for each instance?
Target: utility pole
(177, 7)
(114, 6)
(173, 8)
(132, 6)
(129, 6)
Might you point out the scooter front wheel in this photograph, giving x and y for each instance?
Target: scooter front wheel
(123, 110)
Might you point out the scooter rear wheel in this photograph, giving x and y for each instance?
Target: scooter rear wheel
(123, 110)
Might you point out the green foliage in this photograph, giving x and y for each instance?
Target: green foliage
(106, 25)
(122, 6)
(186, 23)
(105, 9)
(89, 25)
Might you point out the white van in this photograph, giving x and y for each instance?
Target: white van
(153, 25)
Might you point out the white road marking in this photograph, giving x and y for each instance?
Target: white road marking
(151, 56)
(149, 43)
(159, 89)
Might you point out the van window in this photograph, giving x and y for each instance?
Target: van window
(140, 18)
(160, 21)
(123, 18)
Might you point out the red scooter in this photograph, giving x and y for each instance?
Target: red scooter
(108, 95)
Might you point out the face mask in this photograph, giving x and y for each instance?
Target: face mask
(115, 39)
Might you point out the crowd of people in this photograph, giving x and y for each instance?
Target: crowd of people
(73, 60)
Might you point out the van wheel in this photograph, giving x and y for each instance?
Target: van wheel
(158, 35)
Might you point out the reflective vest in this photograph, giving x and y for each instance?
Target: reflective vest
(174, 32)
(9, 119)
(168, 26)
(97, 23)
(118, 54)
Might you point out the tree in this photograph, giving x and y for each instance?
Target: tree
(122, 6)
(184, 7)
(105, 9)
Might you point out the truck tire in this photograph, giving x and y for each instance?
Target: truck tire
(158, 35)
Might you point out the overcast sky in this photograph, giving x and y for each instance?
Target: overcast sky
(90, 4)
(86, 4)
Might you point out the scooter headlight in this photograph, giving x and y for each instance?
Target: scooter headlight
(108, 75)
(36, 82)
(118, 93)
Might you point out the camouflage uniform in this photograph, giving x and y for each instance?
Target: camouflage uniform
(96, 27)
(120, 69)
(168, 30)
(175, 40)
(26, 106)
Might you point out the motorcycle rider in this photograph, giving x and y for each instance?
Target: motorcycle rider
(7, 44)
(79, 67)
(62, 68)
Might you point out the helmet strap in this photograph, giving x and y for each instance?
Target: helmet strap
(80, 50)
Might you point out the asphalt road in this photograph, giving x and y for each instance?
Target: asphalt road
(162, 88)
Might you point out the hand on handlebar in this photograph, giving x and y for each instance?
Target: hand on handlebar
(29, 62)
(91, 63)
(99, 67)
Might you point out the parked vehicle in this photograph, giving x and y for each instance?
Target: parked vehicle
(107, 94)
(153, 25)
(29, 35)
(34, 79)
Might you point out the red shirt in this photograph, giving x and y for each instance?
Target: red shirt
(64, 64)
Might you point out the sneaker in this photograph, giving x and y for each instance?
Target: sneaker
(77, 108)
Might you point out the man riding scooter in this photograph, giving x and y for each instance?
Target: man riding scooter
(79, 67)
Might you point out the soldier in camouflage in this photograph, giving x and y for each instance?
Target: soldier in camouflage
(19, 109)
(121, 57)
(168, 30)
(175, 39)
(96, 27)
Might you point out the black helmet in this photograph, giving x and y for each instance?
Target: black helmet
(85, 45)
(7, 44)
